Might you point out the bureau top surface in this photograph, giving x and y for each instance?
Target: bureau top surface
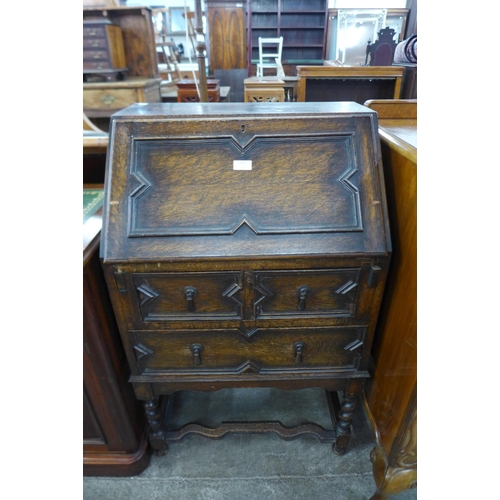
(232, 180)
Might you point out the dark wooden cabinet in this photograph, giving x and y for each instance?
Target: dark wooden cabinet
(136, 26)
(302, 24)
(245, 246)
(227, 34)
(103, 52)
(114, 427)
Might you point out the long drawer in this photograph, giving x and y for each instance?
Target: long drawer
(261, 350)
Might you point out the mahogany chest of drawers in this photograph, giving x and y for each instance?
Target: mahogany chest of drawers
(245, 245)
(103, 51)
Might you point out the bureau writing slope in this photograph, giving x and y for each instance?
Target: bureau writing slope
(245, 245)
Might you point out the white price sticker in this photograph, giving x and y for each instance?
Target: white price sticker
(242, 164)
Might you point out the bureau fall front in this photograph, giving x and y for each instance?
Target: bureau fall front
(245, 245)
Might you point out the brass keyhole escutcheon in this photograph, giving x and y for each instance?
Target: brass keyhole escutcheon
(108, 99)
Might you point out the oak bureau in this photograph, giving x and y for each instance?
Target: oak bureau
(245, 245)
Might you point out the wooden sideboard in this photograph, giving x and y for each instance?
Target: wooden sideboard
(391, 393)
(114, 429)
(341, 83)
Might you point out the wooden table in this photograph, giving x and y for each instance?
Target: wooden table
(391, 394)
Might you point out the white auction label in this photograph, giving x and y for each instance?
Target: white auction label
(242, 164)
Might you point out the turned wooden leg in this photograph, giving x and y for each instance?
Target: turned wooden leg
(343, 424)
(157, 427)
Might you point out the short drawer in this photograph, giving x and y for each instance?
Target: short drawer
(186, 296)
(261, 351)
(95, 43)
(96, 64)
(94, 31)
(323, 292)
(111, 99)
(93, 55)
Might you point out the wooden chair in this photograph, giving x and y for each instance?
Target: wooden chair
(270, 50)
(381, 52)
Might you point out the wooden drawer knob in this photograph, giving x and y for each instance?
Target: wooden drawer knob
(302, 292)
(196, 349)
(190, 293)
(298, 348)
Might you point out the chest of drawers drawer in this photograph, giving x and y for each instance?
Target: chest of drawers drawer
(110, 99)
(92, 43)
(261, 351)
(243, 295)
(95, 55)
(103, 99)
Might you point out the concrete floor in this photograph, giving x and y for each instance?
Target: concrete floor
(252, 467)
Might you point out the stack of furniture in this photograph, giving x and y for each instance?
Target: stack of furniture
(391, 393)
(142, 82)
(246, 246)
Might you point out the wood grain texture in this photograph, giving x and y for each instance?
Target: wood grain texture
(391, 393)
(226, 33)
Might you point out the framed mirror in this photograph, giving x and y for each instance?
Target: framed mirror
(350, 31)
(177, 23)
(395, 19)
